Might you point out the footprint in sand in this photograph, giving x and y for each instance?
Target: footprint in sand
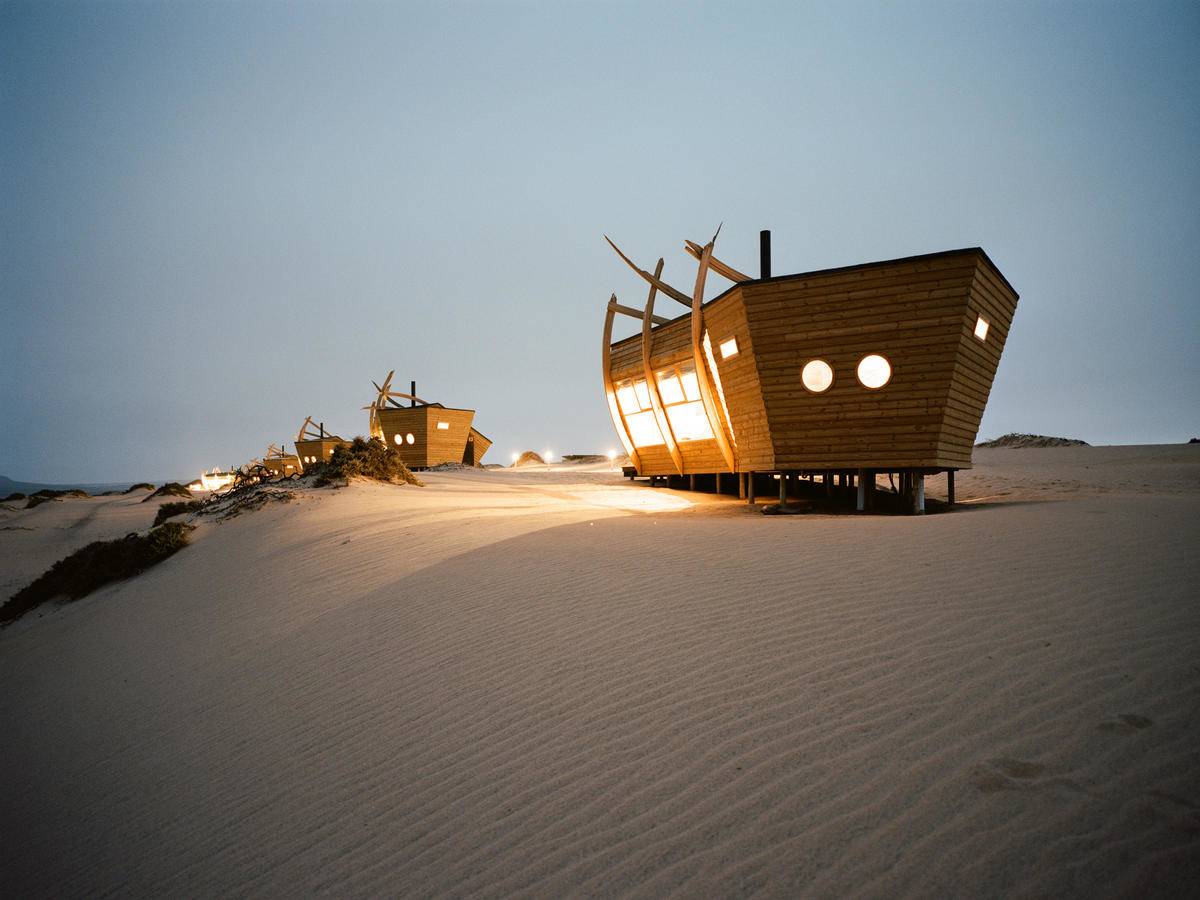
(1004, 774)
(1126, 723)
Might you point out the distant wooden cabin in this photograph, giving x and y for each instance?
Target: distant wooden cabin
(425, 434)
(277, 461)
(314, 445)
(883, 367)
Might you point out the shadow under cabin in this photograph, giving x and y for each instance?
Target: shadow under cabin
(425, 434)
(839, 374)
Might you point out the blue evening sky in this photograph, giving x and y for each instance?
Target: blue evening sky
(216, 219)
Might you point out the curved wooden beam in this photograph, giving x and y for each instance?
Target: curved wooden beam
(614, 408)
(671, 292)
(660, 413)
(391, 394)
(706, 393)
(715, 264)
(303, 428)
(630, 311)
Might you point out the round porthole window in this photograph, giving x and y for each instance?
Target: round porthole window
(874, 371)
(817, 375)
(408, 437)
(399, 439)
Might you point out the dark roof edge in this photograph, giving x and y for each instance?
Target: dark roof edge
(871, 265)
(818, 272)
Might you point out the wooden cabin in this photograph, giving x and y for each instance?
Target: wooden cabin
(277, 461)
(844, 373)
(314, 445)
(425, 434)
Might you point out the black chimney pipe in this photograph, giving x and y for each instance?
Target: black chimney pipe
(764, 254)
(413, 390)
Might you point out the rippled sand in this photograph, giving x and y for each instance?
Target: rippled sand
(553, 682)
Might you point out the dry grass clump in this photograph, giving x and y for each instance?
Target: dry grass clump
(364, 458)
(96, 565)
(39, 497)
(170, 489)
(15, 495)
(140, 486)
(1032, 440)
(529, 458)
(175, 508)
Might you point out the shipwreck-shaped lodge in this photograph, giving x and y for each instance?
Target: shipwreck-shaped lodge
(842, 374)
(424, 434)
(314, 445)
(278, 461)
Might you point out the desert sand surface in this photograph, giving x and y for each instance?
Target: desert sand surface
(551, 682)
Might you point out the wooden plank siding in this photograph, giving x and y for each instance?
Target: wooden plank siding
(321, 448)
(431, 446)
(917, 313)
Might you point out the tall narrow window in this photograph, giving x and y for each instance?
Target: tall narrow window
(634, 398)
(680, 392)
(981, 328)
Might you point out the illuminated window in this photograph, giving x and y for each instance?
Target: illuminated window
(443, 426)
(874, 371)
(408, 437)
(689, 421)
(643, 429)
(729, 348)
(691, 387)
(680, 392)
(817, 375)
(633, 396)
(669, 387)
(398, 439)
(981, 327)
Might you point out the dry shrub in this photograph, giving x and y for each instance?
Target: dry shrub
(529, 458)
(140, 486)
(170, 489)
(96, 565)
(40, 497)
(176, 508)
(364, 458)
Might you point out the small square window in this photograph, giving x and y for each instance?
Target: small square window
(443, 426)
(729, 348)
(981, 328)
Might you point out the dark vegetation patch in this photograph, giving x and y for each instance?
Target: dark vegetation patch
(363, 458)
(96, 565)
(140, 486)
(246, 499)
(170, 489)
(1032, 440)
(175, 508)
(529, 458)
(39, 497)
(584, 458)
(15, 495)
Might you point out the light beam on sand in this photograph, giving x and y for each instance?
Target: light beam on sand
(632, 499)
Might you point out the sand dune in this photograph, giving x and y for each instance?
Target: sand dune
(554, 682)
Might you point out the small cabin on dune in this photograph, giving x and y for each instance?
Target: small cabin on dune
(278, 461)
(425, 434)
(313, 445)
(845, 373)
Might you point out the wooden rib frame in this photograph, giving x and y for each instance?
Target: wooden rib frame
(660, 413)
(610, 392)
(706, 391)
